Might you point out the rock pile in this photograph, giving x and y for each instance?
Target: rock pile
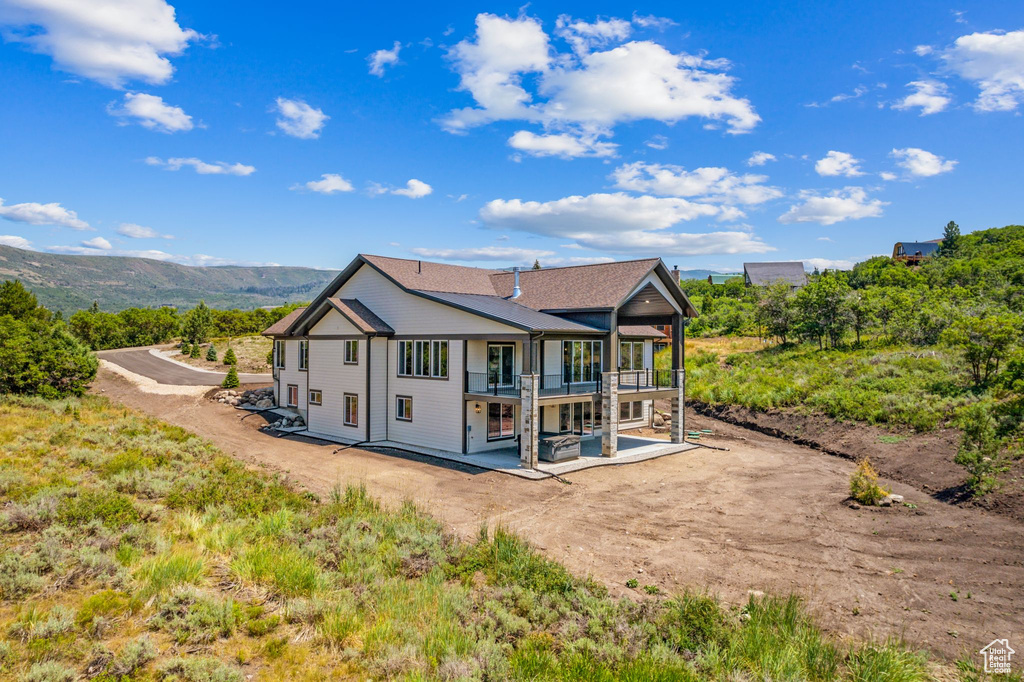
(286, 422)
(260, 397)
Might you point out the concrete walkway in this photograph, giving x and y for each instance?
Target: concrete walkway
(141, 361)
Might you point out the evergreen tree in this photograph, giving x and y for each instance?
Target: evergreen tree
(186, 348)
(536, 264)
(950, 244)
(229, 357)
(197, 324)
(195, 351)
(231, 380)
(211, 354)
(19, 302)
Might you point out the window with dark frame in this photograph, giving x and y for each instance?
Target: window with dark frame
(278, 354)
(403, 408)
(576, 418)
(630, 411)
(631, 355)
(316, 397)
(293, 395)
(581, 361)
(351, 409)
(501, 421)
(351, 351)
(303, 355)
(426, 359)
(501, 363)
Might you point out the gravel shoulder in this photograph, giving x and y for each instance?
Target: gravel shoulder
(767, 515)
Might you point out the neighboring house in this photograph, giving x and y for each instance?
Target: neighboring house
(722, 278)
(468, 360)
(765, 274)
(912, 253)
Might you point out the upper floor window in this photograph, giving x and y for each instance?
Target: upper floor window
(303, 354)
(351, 352)
(423, 359)
(631, 355)
(279, 354)
(581, 361)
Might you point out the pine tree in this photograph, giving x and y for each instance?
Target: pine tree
(186, 348)
(229, 357)
(195, 351)
(231, 380)
(950, 244)
(211, 354)
(536, 264)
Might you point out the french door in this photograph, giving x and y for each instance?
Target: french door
(501, 363)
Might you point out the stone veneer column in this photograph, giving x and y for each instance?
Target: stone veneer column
(678, 430)
(529, 429)
(609, 414)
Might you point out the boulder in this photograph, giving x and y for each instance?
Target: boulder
(266, 402)
(659, 420)
(896, 499)
(885, 501)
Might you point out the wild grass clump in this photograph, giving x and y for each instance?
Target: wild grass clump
(864, 487)
(288, 571)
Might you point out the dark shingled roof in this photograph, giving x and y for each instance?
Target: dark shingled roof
(510, 311)
(281, 326)
(361, 316)
(644, 330)
(763, 274)
(601, 285)
(421, 275)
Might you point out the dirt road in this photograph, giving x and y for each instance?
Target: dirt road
(766, 515)
(142, 362)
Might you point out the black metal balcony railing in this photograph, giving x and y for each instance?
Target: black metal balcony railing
(646, 379)
(492, 384)
(556, 384)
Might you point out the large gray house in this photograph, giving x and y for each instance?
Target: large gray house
(468, 360)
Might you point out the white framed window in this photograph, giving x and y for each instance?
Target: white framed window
(293, 395)
(403, 408)
(303, 355)
(427, 359)
(501, 421)
(631, 355)
(316, 397)
(351, 351)
(351, 409)
(630, 411)
(279, 354)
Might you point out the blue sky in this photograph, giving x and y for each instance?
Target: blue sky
(493, 134)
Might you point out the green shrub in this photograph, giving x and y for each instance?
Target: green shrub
(133, 656)
(231, 379)
(113, 509)
(50, 671)
(230, 359)
(194, 352)
(224, 481)
(693, 622)
(286, 569)
(891, 662)
(864, 484)
(186, 348)
(980, 451)
(105, 604)
(39, 357)
(211, 354)
(198, 669)
(168, 570)
(193, 618)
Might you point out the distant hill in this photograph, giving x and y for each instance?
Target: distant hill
(697, 274)
(69, 283)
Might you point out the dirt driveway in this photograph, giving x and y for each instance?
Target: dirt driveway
(766, 515)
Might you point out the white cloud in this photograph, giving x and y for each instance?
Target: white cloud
(849, 203)
(586, 92)
(110, 42)
(923, 50)
(151, 112)
(657, 142)
(857, 93)
(887, 176)
(414, 189)
(199, 259)
(760, 159)
(330, 183)
(922, 164)
(382, 58)
(994, 61)
(202, 167)
(828, 264)
(298, 119)
(15, 241)
(134, 231)
(716, 185)
(42, 214)
(561, 261)
(931, 95)
(98, 243)
(496, 253)
(560, 144)
(651, 21)
(825, 239)
(838, 163)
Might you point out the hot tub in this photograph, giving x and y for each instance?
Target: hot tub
(560, 448)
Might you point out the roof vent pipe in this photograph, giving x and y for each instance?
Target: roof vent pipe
(516, 291)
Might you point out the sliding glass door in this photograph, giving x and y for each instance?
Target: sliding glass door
(577, 418)
(581, 361)
(501, 363)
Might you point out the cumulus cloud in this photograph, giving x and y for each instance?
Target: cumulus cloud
(414, 189)
(329, 183)
(849, 203)
(760, 159)
(298, 119)
(887, 176)
(15, 241)
(716, 185)
(828, 264)
(488, 253)
(838, 163)
(383, 58)
(133, 231)
(921, 164)
(151, 112)
(98, 243)
(42, 214)
(513, 73)
(111, 42)
(993, 61)
(930, 95)
(657, 142)
(199, 259)
(202, 167)
(560, 144)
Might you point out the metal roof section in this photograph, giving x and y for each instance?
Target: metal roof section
(510, 312)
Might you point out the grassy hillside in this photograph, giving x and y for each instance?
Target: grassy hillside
(134, 550)
(70, 283)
